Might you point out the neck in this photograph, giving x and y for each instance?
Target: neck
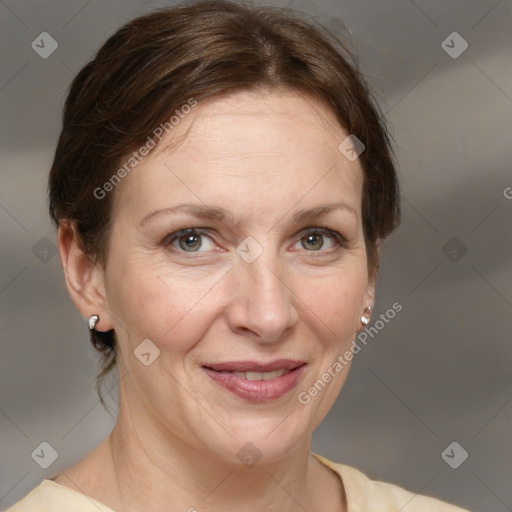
(157, 472)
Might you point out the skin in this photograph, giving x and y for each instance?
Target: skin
(263, 157)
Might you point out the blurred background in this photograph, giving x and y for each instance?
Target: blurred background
(428, 403)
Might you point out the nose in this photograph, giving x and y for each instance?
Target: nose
(263, 305)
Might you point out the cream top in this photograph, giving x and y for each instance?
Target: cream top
(363, 495)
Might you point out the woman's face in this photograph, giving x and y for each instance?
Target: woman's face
(275, 269)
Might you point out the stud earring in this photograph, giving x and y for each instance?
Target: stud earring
(92, 321)
(364, 319)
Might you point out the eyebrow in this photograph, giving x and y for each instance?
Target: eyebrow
(218, 213)
(197, 210)
(318, 211)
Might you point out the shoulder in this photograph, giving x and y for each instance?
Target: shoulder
(364, 494)
(50, 496)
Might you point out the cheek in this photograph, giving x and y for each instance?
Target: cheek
(172, 310)
(333, 303)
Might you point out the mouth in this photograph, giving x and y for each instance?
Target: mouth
(256, 375)
(254, 370)
(254, 381)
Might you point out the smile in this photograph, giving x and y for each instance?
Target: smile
(260, 375)
(257, 386)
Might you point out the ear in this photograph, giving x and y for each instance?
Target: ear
(85, 282)
(366, 305)
(369, 297)
(372, 276)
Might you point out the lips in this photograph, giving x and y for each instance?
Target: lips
(254, 381)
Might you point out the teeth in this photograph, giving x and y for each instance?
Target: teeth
(260, 375)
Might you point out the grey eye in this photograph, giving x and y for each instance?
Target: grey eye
(190, 242)
(312, 241)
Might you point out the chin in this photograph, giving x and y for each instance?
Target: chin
(262, 441)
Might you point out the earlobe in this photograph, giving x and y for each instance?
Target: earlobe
(85, 282)
(367, 306)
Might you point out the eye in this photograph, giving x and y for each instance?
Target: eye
(320, 239)
(190, 240)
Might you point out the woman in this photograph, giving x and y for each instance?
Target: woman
(221, 187)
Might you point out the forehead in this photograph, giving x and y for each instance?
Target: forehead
(247, 143)
(259, 123)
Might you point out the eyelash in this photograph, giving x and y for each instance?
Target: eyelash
(338, 239)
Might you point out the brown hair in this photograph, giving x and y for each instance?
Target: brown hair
(156, 63)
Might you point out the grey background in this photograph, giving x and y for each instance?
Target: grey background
(439, 372)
